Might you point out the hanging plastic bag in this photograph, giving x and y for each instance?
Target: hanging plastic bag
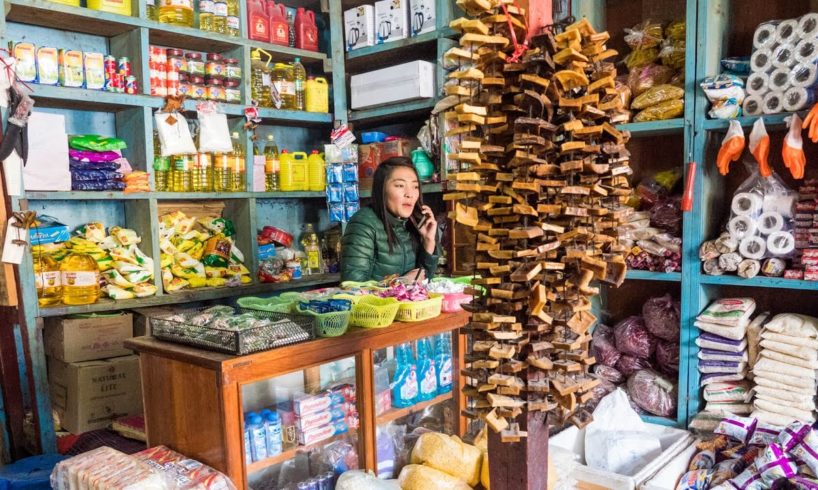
(214, 135)
(726, 95)
(174, 134)
(793, 149)
(732, 146)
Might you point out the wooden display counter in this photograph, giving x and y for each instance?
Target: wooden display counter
(193, 398)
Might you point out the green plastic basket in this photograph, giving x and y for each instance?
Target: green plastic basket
(332, 324)
(374, 312)
(275, 304)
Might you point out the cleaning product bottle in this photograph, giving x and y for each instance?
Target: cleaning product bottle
(207, 9)
(47, 279)
(176, 12)
(79, 275)
(306, 32)
(300, 80)
(238, 165)
(271, 164)
(404, 383)
(279, 28)
(316, 172)
(272, 431)
(443, 362)
(258, 23)
(427, 374)
(220, 16)
(233, 12)
(258, 438)
(260, 80)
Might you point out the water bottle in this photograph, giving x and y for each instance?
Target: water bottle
(272, 426)
(248, 451)
(258, 438)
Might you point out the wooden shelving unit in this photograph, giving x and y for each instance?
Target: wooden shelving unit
(398, 413)
(292, 452)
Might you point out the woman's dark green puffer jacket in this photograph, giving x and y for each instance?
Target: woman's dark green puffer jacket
(365, 252)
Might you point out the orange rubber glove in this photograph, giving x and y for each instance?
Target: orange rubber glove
(760, 147)
(811, 122)
(732, 146)
(793, 150)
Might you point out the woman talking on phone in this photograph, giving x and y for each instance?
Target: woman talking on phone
(396, 234)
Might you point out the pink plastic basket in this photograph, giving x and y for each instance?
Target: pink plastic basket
(452, 302)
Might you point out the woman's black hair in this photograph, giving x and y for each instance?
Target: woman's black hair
(378, 204)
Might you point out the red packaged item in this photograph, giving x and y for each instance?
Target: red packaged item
(279, 28)
(306, 32)
(793, 274)
(270, 234)
(186, 473)
(258, 22)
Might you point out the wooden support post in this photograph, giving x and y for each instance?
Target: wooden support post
(520, 465)
(365, 386)
(11, 410)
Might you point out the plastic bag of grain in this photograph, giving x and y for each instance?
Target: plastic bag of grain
(448, 454)
(420, 477)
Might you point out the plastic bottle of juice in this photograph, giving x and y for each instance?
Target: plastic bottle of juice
(238, 165)
(427, 375)
(233, 12)
(300, 80)
(47, 278)
(176, 12)
(207, 9)
(316, 172)
(443, 362)
(220, 16)
(79, 274)
(260, 80)
(153, 12)
(161, 166)
(312, 248)
(222, 176)
(404, 382)
(271, 166)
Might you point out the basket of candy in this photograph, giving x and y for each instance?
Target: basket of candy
(331, 316)
(233, 330)
(416, 303)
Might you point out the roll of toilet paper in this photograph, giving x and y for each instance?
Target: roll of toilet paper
(804, 75)
(752, 105)
(784, 56)
(787, 32)
(762, 60)
(741, 227)
(797, 98)
(807, 26)
(764, 36)
(758, 83)
(773, 102)
(782, 204)
(770, 222)
(780, 80)
(746, 204)
(752, 247)
(806, 51)
(780, 243)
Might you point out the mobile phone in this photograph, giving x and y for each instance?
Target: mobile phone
(418, 218)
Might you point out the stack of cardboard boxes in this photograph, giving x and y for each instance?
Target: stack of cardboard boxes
(93, 378)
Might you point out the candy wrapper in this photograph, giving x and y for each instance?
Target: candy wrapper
(703, 460)
(738, 428)
(694, 480)
(726, 470)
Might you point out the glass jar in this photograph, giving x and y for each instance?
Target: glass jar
(195, 65)
(232, 91)
(177, 60)
(215, 65)
(184, 85)
(198, 90)
(232, 70)
(215, 90)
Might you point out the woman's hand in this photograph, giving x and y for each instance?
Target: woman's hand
(428, 232)
(414, 275)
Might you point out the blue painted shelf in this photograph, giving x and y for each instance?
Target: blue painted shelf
(74, 19)
(760, 282)
(653, 419)
(89, 100)
(772, 121)
(291, 195)
(654, 276)
(84, 195)
(393, 47)
(302, 118)
(404, 110)
(654, 128)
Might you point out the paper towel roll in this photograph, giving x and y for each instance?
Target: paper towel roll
(773, 102)
(752, 105)
(786, 32)
(761, 61)
(746, 204)
(782, 204)
(752, 247)
(798, 98)
(807, 26)
(805, 75)
(741, 227)
(781, 243)
(780, 80)
(806, 51)
(764, 36)
(784, 56)
(770, 222)
(758, 83)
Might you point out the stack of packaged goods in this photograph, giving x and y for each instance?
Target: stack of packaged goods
(806, 233)
(723, 354)
(210, 77)
(319, 417)
(642, 351)
(96, 163)
(785, 371)
(199, 252)
(343, 199)
(656, 65)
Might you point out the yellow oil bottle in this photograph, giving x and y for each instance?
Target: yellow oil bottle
(47, 279)
(238, 165)
(283, 89)
(316, 172)
(220, 16)
(79, 274)
(259, 80)
(203, 173)
(222, 175)
(271, 165)
(182, 173)
(161, 166)
(206, 14)
(293, 171)
(233, 11)
(316, 95)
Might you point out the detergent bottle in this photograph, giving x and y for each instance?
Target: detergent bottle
(426, 373)
(279, 29)
(316, 172)
(258, 23)
(443, 362)
(404, 383)
(306, 32)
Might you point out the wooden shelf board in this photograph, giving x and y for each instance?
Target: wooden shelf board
(402, 111)
(654, 276)
(771, 121)
(760, 282)
(190, 295)
(74, 19)
(397, 413)
(291, 453)
(653, 128)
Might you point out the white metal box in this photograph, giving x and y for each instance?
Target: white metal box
(399, 83)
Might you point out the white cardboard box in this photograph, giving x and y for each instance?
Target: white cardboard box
(399, 83)
(391, 20)
(422, 16)
(359, 27)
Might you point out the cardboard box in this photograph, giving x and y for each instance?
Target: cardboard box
(49, 232)
(87, 339)
(90, 395)
(359, 27)
(422, 16)
(371, 155)
(391, 20)
(399, 83)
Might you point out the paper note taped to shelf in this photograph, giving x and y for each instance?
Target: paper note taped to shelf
(13, 250)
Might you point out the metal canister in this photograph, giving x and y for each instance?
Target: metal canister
(110, 64)
(131, 86)
(116, 84)
(124, 66)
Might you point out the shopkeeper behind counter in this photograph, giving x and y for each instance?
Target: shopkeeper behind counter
(396, 233)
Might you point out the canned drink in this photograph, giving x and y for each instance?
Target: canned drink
(117, 84)
(131, 86)
(124, 66)
(110, 64)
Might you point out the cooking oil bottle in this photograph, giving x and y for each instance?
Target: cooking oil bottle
(203, 176)
(260, 80)
(299, 80)
(176, 12)
(316, 172)
(79, 274)
(283, 91)
(47, 279)
(220, 16)
(271, 167)
(161, 166)
(153, 11)
(222, 176)
(233, 10)
(182, 173)
(312, 249)
(238, 159)
(207, 9)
